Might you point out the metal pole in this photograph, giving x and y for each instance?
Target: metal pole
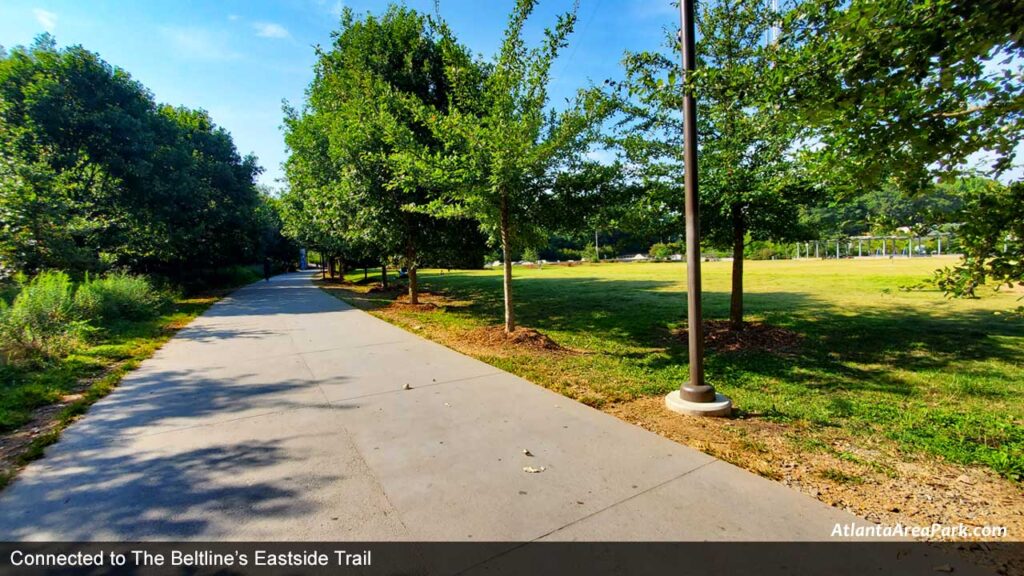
(939, 238)
(696, 390)
(597, 250)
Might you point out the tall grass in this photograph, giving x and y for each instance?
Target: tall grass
(119, 296)
(43, 322)
(49, 317)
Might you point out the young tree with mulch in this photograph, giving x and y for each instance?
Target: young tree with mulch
(510, 152)
(750, 188)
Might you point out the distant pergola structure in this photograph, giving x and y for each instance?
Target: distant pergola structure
(871, 246)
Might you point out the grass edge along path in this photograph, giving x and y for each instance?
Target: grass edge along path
(111, 357)
(868, 474)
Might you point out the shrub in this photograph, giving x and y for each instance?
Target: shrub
(221, 278)
(588, 252)
(8, 290)
(119, 296)
(663, 251)
(767, 250)
(42, 322)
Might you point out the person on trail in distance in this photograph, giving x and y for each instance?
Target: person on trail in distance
(266, 269)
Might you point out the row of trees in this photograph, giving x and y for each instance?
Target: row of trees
(95, 174)
(406, 139)
(407, 145)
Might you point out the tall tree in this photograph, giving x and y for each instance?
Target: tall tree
(93, 173)
(315, 207)
(372, 90)
(750, 188)
(509, 151)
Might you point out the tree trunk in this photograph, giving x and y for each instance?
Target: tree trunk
(410, 262)
(506, 250)
(384, 276)
(414, 297)
(736, 302)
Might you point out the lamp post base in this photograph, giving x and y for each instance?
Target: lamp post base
(721, 406)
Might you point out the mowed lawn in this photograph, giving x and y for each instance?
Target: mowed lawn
(924, 373)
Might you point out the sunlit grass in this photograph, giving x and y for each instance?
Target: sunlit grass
(83, 377)
(932, 375)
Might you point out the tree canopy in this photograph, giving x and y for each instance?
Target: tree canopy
(514, 159)
(95, 174)
(905, 89)
(356, 186)
(751, 189)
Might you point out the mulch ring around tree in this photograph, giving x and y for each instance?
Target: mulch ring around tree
(391, 290)
(427, 301)
(521, 338)
(719, 336)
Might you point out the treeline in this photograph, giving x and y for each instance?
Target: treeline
(96, 175)
(818, 119)
(886, 211)
(410, 151)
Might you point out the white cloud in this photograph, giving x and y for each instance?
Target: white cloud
(270, 30)
(199, 43)
(333, 8)
(46, 19)
(233, 17)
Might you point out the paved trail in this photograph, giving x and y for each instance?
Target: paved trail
(280, 414)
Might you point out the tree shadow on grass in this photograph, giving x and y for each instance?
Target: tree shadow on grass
(842, 348)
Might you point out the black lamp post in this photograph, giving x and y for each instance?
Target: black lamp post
(695, 396)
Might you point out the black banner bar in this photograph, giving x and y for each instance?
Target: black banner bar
(501, 558)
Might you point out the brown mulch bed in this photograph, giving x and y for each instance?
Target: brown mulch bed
(719, 336)
(391, 289)
(522, 338)
(403, 304)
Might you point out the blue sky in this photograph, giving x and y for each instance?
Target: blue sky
(239, 59)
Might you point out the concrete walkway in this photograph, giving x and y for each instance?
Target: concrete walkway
(280, 414)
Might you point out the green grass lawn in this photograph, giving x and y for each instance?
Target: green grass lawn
(928, 374)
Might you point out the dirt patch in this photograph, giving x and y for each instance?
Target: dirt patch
(16, 444)
(719, 336)
(406, 306)
(426, 302)
(391, 290)
(867, 478)
(26, 442)
(521, 338)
